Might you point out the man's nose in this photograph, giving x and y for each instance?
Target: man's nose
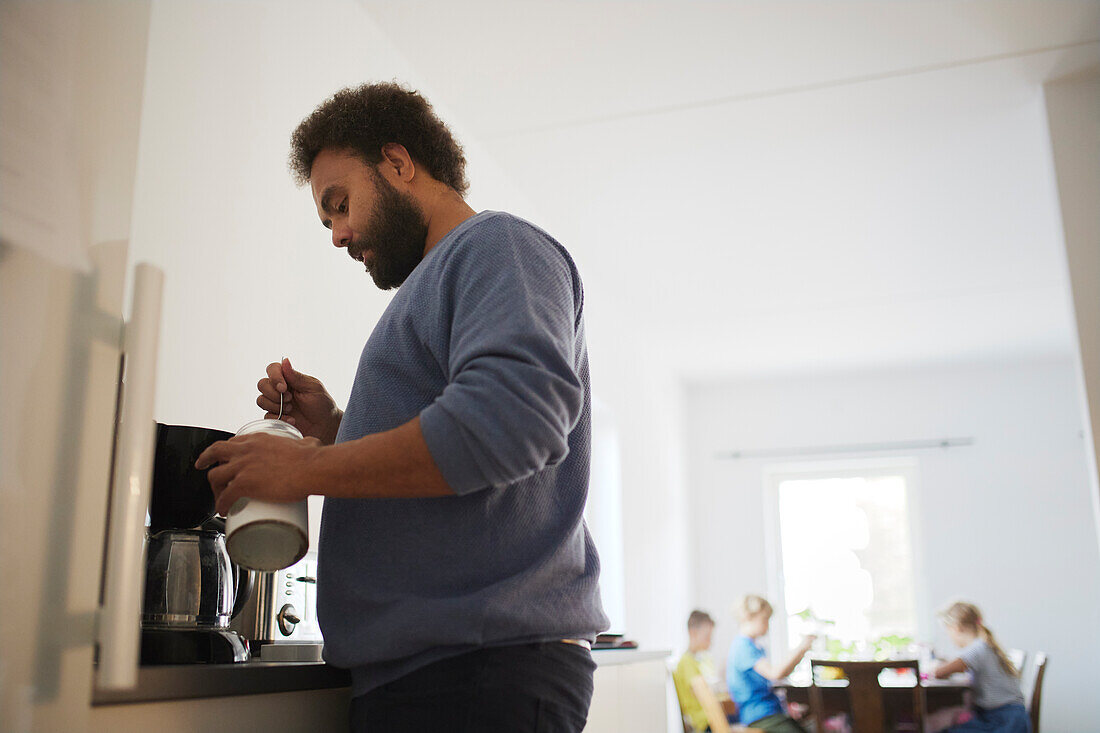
(341, 235)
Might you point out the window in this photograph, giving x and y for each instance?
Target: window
(843, 558)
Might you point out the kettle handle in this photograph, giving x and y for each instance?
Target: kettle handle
(243, 586)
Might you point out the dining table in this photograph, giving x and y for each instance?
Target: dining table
(938, 694)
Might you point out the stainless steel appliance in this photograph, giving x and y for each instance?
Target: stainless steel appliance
(280, 617)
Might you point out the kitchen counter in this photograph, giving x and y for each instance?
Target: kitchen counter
(189, 681)
(607, 657)
(186, 681)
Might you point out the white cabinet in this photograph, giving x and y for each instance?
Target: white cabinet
(72, 92)
(307, 711)
(630, 692)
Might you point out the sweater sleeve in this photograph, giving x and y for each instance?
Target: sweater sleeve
(511, 305)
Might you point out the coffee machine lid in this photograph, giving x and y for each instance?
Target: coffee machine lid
(181, 496)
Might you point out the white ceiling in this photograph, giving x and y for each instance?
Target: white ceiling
(751, 187)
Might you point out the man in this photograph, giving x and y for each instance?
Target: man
(697, 662)
(457, 580)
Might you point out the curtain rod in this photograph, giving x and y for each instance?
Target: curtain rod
(812, 450)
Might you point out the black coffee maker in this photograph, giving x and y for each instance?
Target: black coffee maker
(192, 589)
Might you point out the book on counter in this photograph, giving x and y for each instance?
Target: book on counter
(613, 641)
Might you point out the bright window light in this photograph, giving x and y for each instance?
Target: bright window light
(846, 561)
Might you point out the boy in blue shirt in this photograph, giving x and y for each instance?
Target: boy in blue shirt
(750, 675)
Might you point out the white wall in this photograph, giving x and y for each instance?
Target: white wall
(604, 512)
(646, 407)
(251, 274)
(1006, 522)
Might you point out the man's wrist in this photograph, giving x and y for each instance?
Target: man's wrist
(311, 471)
(333, 427)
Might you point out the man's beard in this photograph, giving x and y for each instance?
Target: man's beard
(395, 236)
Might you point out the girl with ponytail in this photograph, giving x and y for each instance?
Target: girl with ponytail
(998, 702)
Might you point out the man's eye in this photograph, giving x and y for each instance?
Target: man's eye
(343, 207)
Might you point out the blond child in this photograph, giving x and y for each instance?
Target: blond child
(750, 675)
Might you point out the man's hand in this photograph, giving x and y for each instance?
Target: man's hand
(268, 467)
(307, 405)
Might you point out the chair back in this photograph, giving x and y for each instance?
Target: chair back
(716, 717)
(670, 667)
(1035, 697)
(865, 698)
(1018, 657)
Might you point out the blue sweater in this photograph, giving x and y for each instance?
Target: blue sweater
(485, 342)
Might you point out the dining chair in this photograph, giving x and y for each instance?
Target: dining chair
(670, 668)
(716, 716)
(1034, 695)
(1018, 657)
(866, 702)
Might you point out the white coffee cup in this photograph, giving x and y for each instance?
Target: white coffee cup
(267, 535)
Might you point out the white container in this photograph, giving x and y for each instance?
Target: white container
(267, 535)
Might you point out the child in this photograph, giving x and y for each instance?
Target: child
(750, 675)
(696, 662)
(998, 702)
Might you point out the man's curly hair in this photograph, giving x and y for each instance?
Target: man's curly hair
(362, 119)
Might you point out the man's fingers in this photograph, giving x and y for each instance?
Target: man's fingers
(275, 374)
(274, 416)
(219, 477)
(302, 383)
(268, 390)
(272, 405)
(225, 501)
(290, 374)
(215, 453)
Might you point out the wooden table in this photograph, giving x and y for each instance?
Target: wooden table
(938, 694)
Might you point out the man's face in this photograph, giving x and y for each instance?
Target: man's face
(380, 226)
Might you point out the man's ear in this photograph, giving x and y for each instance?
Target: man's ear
(397, 160)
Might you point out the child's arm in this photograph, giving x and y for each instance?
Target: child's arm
(949, 668)
(765, 668)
